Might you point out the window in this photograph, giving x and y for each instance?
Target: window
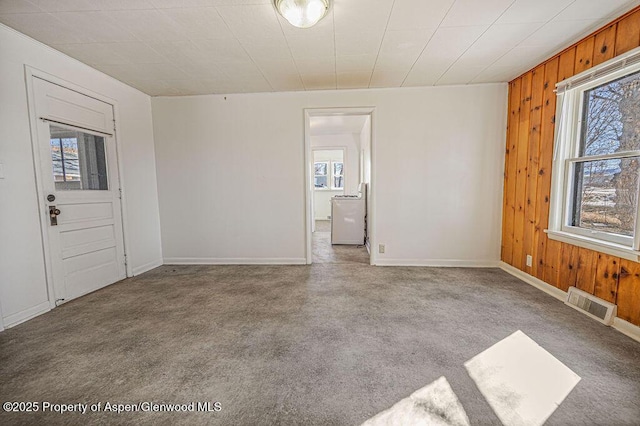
(329, 172)
(79, 160)
(597, 161)
(338, 178)
(321, 174)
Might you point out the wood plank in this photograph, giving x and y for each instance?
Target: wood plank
(568, 268)
(605, 43)
(584, 55)
(586, 276)
(562, 265)
(535, 123)
(629, 292)
(505, 180)
(521, 172)
(607, 273)
(511, 170)
(628, 33)
(567, 64)
(552, 262)
(543, 185)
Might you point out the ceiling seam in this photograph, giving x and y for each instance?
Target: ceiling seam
(510, 50)
(381, 41)
(295, 64)
(144, 43)
(427, 44)
(243, 48)
(472, 44)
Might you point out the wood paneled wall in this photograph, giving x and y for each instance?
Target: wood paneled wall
(527, 180)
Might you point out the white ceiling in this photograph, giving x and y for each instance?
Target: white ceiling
(337, 124)
(186, 47)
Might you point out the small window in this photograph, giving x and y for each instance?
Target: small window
(79, 160)
(321, 177)
(338, 178)
(597, 162)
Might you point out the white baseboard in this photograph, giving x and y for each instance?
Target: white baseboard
(626, 328)
(539, 284)
(619, 324)
(234, 261)
(446, 263)
(22, 316)
(147, 267)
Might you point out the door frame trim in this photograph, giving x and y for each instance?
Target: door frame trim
(30, 73)
(1, 318)
(308, 158)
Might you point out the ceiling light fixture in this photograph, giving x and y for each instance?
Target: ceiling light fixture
(302, 13)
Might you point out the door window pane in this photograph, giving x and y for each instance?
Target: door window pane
(605, 195)
(79, 160)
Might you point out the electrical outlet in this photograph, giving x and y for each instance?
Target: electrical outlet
(529, 260)
(380, 248)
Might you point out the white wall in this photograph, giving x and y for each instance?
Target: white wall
(23, 291)
(437, 166)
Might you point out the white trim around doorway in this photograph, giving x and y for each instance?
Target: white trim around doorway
(308, 158)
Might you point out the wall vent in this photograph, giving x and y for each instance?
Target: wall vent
(591, 305)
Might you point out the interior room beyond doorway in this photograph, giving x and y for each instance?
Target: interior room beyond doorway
(341, 174)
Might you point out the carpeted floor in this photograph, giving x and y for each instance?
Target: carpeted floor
(324, 252)
(323, 226)
(325, 344)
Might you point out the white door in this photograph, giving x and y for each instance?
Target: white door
(79, 190)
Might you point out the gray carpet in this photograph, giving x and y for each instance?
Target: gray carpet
(315, 345)
(324, 252)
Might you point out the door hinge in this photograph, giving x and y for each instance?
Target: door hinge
(114, 125)
(120, 193)
(125, 261)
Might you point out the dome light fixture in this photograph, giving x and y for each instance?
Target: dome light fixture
(302, 13)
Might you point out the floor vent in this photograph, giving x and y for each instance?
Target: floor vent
(591, 305)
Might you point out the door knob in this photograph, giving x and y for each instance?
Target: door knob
(53, 215)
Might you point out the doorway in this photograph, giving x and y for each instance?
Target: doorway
(339, 187)
(79, 193)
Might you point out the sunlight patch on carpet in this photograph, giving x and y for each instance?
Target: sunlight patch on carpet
(522, 382)
(435, 404)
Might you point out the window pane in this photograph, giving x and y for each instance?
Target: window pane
(611, 117)
(320, 181)
(337, 169)
(605, 195)
(320, 169)
(79, 160)
(338, 182)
